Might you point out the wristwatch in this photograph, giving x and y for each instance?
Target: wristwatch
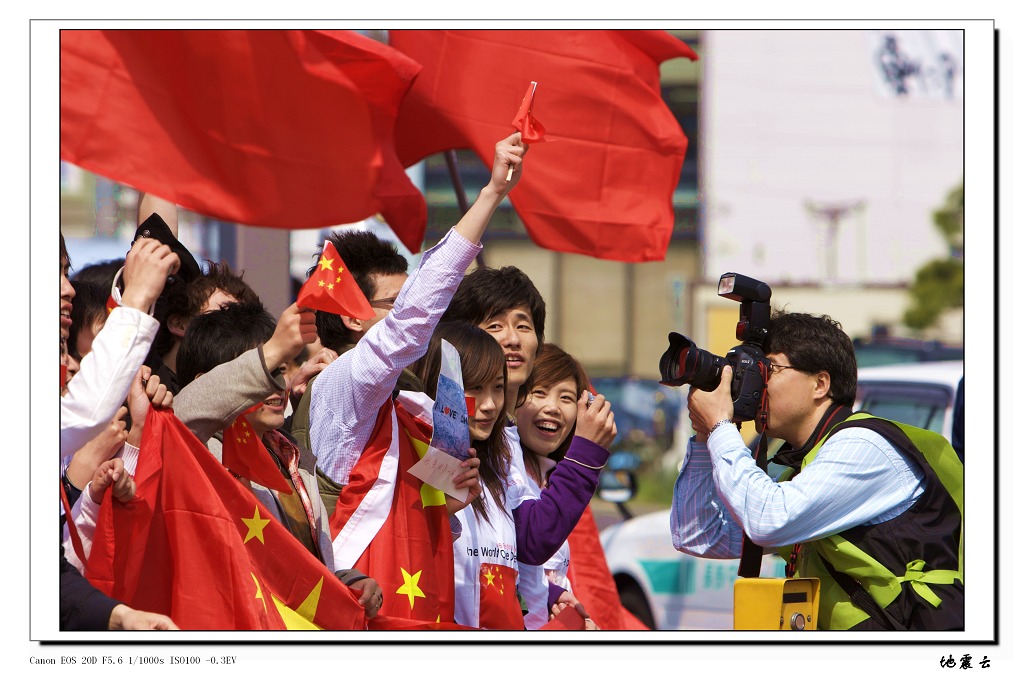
(718, 425)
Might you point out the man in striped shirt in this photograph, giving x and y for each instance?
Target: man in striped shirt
(852, 484)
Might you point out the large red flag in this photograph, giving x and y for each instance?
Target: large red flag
(592, 581)
(383, 75)
(391, 525)
(604, 186)
(332, 288)
(264, 127)
(195, 545)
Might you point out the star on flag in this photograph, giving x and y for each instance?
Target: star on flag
(411, 587)
(332, 288)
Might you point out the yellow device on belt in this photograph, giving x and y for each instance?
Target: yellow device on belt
(775, 604)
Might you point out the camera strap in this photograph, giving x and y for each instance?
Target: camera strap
(751, 553)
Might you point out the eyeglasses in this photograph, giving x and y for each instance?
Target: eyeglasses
(778, 368)
(383, 302)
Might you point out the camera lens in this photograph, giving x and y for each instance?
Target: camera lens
(685, 363)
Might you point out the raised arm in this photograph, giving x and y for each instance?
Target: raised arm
(101, 384)
(508, 153)
(149, 204)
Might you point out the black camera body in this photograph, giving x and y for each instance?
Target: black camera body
(685, 363)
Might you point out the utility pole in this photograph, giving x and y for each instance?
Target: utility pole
(832, 214)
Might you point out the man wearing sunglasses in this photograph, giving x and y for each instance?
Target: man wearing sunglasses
(873, 509)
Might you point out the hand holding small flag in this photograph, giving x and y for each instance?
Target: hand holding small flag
(531, 129)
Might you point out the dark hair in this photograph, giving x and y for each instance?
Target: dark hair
(816, 343)
(90, 306)
(486, 292)
(187, 300)
(482, 358)
(366, 255)
(221, 335)
(100, 273)
(64, 257)
(553, 365)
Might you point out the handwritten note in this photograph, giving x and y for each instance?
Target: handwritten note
(449, 443)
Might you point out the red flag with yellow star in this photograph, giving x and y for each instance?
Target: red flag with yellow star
(195, 545)
(244, 454)
(391, 525)
(499, 605)
(331, 288)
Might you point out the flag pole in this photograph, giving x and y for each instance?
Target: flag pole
(460, 192)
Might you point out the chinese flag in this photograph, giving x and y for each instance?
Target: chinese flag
(499, 605)
(331, 288)
(531, 128)
(195, 545)
(280, 128)
(383, 75)
(397, 526)
(592, 581)
(605, 189)
(244, 454)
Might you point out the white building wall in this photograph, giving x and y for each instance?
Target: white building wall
(792, 117)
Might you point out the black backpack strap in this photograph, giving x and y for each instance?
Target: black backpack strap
(888, 429)
(751, 553)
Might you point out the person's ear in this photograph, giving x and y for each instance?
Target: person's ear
(822, 385)
(176, 324)
(353, 324)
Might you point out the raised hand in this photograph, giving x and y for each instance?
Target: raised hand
(146, 268)
(595, 420)
(295, 329)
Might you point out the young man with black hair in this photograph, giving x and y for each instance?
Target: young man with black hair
(873, 509)
(505, 303)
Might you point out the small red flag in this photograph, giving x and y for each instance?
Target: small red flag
(245, 455)
(524, 122)
(499, 605)
(331, 288)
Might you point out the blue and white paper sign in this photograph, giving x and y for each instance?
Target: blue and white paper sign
(449, 443)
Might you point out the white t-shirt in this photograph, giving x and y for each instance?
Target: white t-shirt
(493, 542)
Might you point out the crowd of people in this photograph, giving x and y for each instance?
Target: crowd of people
(203, 344)
(874, 512)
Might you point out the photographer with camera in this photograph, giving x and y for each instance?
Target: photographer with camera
(871, 508)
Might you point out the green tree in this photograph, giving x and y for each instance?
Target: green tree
(939, 284)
